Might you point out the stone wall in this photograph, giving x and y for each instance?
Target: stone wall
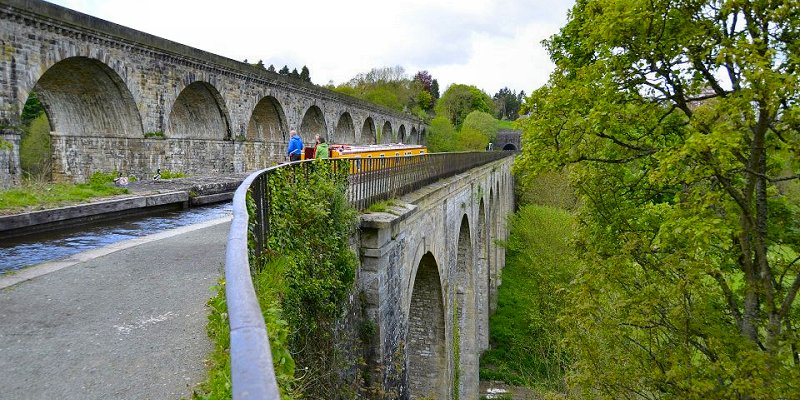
(77, 158)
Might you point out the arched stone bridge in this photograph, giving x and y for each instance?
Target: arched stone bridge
(120, 99)
(430, 270)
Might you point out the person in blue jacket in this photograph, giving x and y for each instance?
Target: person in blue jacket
(295, 146)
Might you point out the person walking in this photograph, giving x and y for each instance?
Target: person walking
(322, 149)
(295, 146)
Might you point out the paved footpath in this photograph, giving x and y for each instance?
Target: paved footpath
(129, 324)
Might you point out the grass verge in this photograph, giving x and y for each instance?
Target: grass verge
(269, 285)
(36, 194)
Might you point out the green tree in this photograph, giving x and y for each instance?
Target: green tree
(482, 122)
(435, 90)
(389, 87)
(459, 100)
(32, 109)
(680, 120)
(284, 70)
(294, 74)
(271, 68)
(507, 103)
(305, 74)
(470, 139)
(34, 149)
(441, 135)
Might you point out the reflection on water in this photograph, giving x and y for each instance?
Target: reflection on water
(39, 248)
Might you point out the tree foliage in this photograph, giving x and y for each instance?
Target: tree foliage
(441, 135)
(32, 109)
(482, 122)
(680, 121)
(507, 103)
(478, 129)
(305, 75)
(34, 149)
(390, 87)
(459, 100)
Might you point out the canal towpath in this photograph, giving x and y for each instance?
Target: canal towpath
(125, 321)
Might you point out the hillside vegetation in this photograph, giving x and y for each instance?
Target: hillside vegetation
(678, 124)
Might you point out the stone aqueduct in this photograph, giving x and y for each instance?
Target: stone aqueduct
(120, 99)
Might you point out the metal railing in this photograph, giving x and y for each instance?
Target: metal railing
(370, 180)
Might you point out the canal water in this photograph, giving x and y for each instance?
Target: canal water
(38, 248)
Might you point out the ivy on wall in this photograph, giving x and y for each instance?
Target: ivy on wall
(302, 280)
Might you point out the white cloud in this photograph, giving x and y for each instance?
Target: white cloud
(487, 43)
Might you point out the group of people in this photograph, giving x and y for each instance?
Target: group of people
(295, 149)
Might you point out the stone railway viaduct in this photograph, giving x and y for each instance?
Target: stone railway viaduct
(120, 99)
(430, 270)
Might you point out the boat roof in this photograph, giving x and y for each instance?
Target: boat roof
(358, 148)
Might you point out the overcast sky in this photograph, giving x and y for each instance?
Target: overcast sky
(487, 43)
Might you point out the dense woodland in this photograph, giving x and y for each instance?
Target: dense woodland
(675, 124)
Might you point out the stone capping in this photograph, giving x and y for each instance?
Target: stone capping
(17, 221)
(87, 25)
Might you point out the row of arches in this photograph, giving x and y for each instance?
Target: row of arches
(431, 337)
(85, 97)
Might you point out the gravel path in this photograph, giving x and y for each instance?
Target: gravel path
(126, 325)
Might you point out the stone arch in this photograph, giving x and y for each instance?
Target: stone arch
(345, 129)
(510, 147)
(465, 301)
(401, 134)
(492, 257)
(268, 122)
(484, 279)
(386, 132)
(423, 137)
(313, 124)
(368, 135)
(426, 353)
(84, 97)
(414, 137)
(199, 113)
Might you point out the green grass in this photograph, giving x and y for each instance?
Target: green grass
(218, 385)
(524, 335)
(381, 206)
(37, 194)
(269, 285)
(167, 174)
